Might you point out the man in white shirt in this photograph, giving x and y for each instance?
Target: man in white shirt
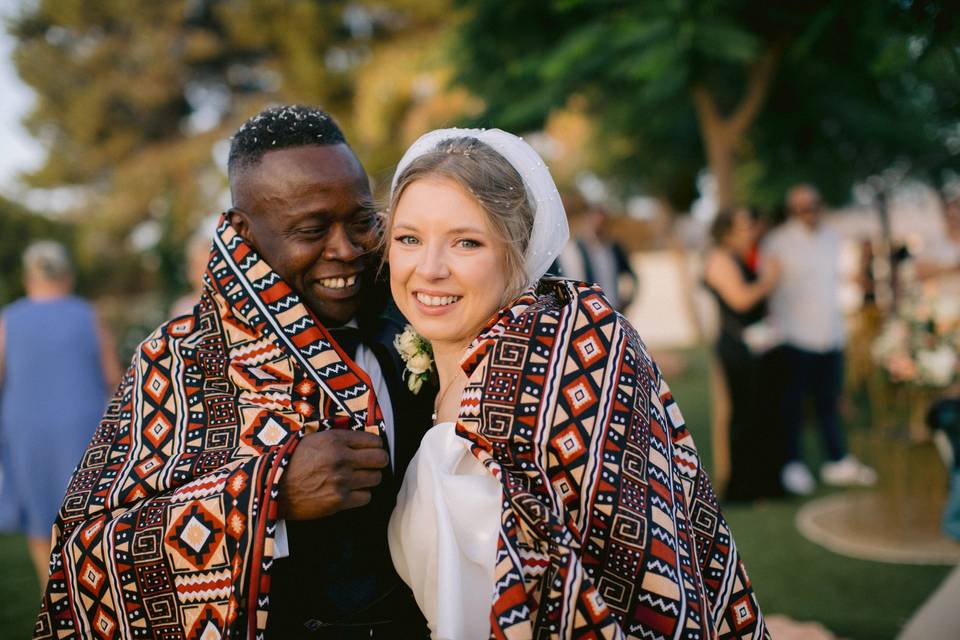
(593, 256)
(805, 310)
(939, 262)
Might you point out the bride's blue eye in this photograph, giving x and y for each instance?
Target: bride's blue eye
(468, 244)
(406, 240)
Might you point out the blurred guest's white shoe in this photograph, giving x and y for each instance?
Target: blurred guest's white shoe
(848, 472)
(797, 479)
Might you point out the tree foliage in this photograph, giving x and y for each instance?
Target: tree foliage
(134, 98)
(17, 223)
(831, 91)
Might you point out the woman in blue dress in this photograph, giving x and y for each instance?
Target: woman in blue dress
(57, 367)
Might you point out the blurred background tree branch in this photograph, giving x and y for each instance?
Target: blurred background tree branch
(763, 94)
(135, 100)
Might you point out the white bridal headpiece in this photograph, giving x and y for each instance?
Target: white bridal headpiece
(550, 230)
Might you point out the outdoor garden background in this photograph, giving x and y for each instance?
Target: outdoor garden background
(664, 110)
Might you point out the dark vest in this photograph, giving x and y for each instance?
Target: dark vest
(339, 580)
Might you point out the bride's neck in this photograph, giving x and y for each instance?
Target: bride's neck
(447, 357)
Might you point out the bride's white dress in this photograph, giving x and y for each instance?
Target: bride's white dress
(443, 535)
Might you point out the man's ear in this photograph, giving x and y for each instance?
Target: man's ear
(240, 222)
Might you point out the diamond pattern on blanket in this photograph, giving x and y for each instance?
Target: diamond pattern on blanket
(610, 528)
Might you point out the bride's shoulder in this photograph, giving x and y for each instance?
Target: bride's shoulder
(570, 315)
(554, 298)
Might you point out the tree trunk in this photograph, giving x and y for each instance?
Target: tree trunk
(722, 135)
(721, 161)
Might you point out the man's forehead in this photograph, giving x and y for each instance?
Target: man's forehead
(336, 161)
(296, 171)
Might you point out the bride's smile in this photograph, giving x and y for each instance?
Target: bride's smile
(552, 391)
(437, 302)
(447, 270)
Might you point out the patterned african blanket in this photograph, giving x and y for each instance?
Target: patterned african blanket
(610, 528)
(167, 527)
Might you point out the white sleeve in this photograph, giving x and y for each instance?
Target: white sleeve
(281, 547)
(368, 362)
(769, 245)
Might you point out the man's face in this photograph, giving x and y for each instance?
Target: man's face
(309, 212)
(597, 220)
(805, 204)
(952, 215)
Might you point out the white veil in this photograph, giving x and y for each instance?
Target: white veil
(550, 230)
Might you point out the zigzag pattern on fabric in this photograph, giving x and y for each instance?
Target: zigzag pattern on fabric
(166, 530)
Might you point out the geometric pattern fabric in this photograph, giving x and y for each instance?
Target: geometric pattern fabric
(610, 528)
(167, 527)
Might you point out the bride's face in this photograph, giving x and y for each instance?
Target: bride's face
(447, 267)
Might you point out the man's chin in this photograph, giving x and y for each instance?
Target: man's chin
(334, 312)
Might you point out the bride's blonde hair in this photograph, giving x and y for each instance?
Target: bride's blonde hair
(493, 182)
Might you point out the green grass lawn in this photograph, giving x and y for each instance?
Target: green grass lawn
(19, 591)
(853, 598)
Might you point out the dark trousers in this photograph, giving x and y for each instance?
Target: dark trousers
(395, 617)
(820, 376)
(338, 583)
(755, 432)
(302, 607)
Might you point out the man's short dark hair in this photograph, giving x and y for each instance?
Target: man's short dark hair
(280, 127)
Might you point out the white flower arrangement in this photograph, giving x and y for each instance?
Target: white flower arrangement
(417, 357)
(918, 345)
(937, 366)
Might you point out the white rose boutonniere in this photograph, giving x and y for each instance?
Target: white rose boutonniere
(417, 357)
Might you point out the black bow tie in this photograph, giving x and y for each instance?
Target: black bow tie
(349, 338)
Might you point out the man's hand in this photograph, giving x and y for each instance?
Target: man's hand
(331, 471)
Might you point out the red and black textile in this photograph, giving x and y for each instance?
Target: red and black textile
(167, 527)
(610, 528)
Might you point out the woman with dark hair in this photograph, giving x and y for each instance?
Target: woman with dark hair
(741, 293)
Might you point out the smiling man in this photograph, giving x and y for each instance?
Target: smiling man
(309, 212)
(242, 478)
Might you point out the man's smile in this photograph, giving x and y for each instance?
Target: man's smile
(341, 287)
(342, 282)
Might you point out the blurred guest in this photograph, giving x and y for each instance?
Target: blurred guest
(11, 512)
(198, 252)
(57, 366)
(805, 311)
(940, 262)
(594, 257)
(755, 457)
(939, 616)
(943, 418)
